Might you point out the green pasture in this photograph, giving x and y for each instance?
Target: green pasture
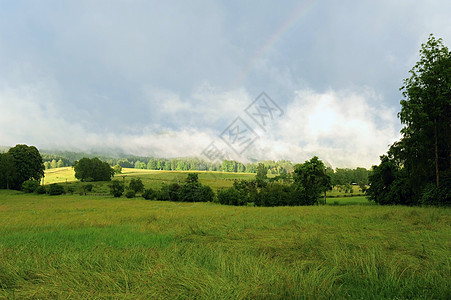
(91, 246)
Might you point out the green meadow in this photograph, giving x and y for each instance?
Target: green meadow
(97, 246)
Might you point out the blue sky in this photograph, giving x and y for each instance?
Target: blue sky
(165, 78)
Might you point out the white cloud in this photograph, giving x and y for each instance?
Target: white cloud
(344, 128)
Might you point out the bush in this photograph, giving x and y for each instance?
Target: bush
(230, 196)
(70, 190)
(30, 186)
(117, 188)
(56, 189)
(89, 187)
(40, 190)
(130, 194)
(170, 192)
(205, 194)
(276, 195)
(195, 192)
(149, 194)
(136, 185)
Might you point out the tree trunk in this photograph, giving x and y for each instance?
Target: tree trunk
(436, 153)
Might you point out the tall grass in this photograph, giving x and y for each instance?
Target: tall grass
(101, 247)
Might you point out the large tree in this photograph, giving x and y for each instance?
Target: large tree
(93, 169)
(7, 170)
(310, 180)
(19, 164)
(421, 160)
(426, 114)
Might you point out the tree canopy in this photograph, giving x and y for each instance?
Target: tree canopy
(19, 164)
(93, 169)
(422, 158)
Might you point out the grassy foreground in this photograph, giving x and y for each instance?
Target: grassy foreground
(100, 247)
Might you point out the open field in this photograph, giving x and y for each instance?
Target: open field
(155, 178)
(100, 247)
(151, 178)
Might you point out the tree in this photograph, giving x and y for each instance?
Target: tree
(117, 188)
(60, 163)
(192, 178)
(21, 163)
(117, 169)
(422, 156)
(310, 181)
(56, 189)
(53, 164)
(389, 183)
(426, 114)
(261, 176)
(7, 170)
(136, 185)
(93, 169)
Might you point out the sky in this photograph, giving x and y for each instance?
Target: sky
(245, 80)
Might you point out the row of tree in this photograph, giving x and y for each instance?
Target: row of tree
(417, 168)
(308, 183)
(190, 191)
(338, 176)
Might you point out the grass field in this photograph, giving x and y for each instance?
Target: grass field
(155, 179)
(150, 178)
(75, 246)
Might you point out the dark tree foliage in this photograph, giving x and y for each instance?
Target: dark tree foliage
(275, 195)
(231, 196)
(130, 194)
(55, 189)
(93, 169)
(149, 194)
(19, 164)
(310, 181)
(389, 184)
(426, 114)
(117, 188)
(30, 186)
(7, 170)
(420, 162)
(190, 191)
(136, 185)
(192, 178)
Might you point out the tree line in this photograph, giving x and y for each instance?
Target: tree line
(417, 169)
(307, 184)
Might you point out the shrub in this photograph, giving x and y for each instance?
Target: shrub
(117, 188)
(163, 193)
(172, 192)
(70, 190)
(136, 185)
(89, 187)
(149, 194)
(40, 190)
(230, 196)
(205, 194)
(276, 195)
(55, 189)
(30, 186)
(130, 194)
(195, 192)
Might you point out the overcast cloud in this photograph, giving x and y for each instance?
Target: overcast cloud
(165, 78)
